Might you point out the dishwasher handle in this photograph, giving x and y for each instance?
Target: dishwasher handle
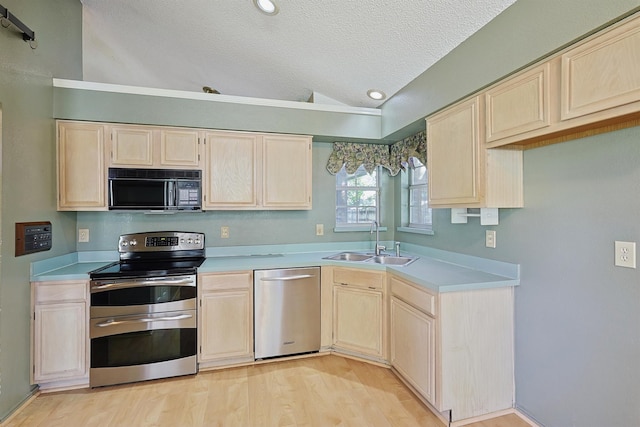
(286, 278)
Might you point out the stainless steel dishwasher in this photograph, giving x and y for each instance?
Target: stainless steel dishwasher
(287, 311)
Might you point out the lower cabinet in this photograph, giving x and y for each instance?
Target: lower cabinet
(225, 330)
(59, 330)
(413, 352)
(455, 349)
(359, 313)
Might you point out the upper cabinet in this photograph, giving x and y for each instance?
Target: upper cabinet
(518, 105)
(154, 147)
(231, 178)
(287, 167)
(590, 87)
(602, 73)
(82, 178)
(462, 172)
(241, 170)
(257, 171)
(453, 158)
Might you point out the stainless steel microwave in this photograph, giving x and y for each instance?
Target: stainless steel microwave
(155, 189)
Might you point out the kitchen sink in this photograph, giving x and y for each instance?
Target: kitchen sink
(349, 256)
(377, 259)
(392, 260)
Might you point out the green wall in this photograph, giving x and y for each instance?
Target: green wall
(28, 166)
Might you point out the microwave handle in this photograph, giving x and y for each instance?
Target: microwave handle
(170, 193)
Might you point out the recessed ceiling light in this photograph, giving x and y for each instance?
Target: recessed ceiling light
(266, 6)
(378, 95)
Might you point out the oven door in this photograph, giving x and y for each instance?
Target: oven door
(142, 347)
(118, 297)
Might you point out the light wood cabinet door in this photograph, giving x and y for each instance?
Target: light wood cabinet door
(358, 320)
(232, 170)
(476, 352)
(413, 341)
(287, 167)
(180, 147)
(463, 173)
(602, 73)
(131, 146)
(60, 341)
(453, 155)
(226, 318)
(225, 330)
(82, 179)
(518, 105)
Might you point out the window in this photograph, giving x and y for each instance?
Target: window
(416, 213)
(357, 197)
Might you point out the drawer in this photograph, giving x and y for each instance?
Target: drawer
(213, 282)
(47, 292)
(412, 295)
(369, 279)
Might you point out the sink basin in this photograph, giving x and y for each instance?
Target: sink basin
(378, 259)
(349, 256)
(392, 260)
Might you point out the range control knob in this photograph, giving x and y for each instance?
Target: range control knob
(189, 240)
(125, 243)
(133, 243)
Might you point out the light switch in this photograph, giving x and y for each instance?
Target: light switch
(490, 239)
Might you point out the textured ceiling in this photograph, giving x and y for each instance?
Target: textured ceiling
(335, 48)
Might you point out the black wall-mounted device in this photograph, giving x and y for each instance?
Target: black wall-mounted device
(33, 237)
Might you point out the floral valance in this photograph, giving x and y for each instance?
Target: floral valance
(392, 157)
(402, 151)
(352, 156)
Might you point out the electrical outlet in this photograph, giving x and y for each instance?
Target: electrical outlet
(224, 232)
(319, 229)
(490, 239)
(83, 235)
(625, 254)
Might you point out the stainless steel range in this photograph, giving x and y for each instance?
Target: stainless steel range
(144, 309)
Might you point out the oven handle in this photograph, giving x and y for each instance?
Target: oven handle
(156, 282)
(285, 278)
(112, 322)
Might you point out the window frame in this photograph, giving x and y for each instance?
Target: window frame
(408, 183)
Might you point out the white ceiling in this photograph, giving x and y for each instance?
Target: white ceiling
(334, 48)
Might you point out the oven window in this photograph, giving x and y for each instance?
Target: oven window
(143, 295)
(142, 347)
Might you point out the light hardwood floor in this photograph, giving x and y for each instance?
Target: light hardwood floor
(318, 391)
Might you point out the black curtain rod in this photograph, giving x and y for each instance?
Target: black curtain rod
(27, 33)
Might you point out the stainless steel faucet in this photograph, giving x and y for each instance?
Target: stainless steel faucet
(378, 247)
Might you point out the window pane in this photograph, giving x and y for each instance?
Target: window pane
(419, 211)
(341, 198)
(356, 197)
(341, 215)
(418, 196)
